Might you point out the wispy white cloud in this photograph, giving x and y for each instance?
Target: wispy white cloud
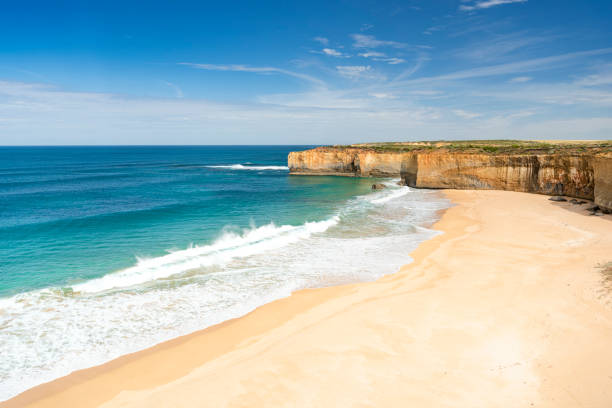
(370, 54)
(178, 92)
(425, 92)
(466, 114)
(561, 94)
(496, 47)
(602, 77)
(393, 60)
(383, 95)
(596, 80)
(381, 57)
(259, 70)
(366, 27)
(521, 79)
(333, 53)
(320, 99)
(355, 72)
(484, 4)
(530, 65)
(369, 41)
(432, 29)
(411, 71)
(321, 40)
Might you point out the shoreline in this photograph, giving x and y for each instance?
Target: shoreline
(232, 345)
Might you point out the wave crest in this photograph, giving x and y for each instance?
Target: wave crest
(229, 246)
(243, 167)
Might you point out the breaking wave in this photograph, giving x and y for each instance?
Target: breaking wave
(248, 167)
(229, 246)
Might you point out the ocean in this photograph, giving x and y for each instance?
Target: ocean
(108, 250)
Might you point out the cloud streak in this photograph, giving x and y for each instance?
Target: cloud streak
(356, 72)
(496, 47)
(258, 70)
(369, 41)
(485, 4)
(465, 114)
(530, 65)
(178, 92)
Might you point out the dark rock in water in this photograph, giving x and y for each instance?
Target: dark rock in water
(593, 208)
(402, 183)
(557, 198)
(378, 186)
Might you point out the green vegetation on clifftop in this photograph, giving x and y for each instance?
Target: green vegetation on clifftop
(492, 146)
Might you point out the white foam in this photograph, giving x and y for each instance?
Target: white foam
(243, 167)
(390, 195)
(226, 248)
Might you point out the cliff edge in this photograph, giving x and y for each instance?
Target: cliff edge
(581, 169)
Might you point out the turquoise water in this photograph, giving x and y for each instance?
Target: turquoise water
(71, 214)
(108, 250)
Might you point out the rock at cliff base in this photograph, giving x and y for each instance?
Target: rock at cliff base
(577, 202)
(557, 198)
(593, 208)
(378, 186)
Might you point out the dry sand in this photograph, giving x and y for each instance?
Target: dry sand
(505, 309)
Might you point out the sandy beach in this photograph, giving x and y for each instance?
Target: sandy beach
(506, 308)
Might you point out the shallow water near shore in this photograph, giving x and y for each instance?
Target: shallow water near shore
(108, 250)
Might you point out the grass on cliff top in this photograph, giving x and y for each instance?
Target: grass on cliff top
(493, 146)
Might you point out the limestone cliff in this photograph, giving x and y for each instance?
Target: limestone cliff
(603, 180)
(582, 172)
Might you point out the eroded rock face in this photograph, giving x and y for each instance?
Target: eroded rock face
(602, 174)
(545, 174)
(582, 176)
(347, 162)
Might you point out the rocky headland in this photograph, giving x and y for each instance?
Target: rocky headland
(580, 169)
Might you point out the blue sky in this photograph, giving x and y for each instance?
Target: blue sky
(316, 72)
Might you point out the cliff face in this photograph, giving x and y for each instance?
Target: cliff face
(553, 175)
(348, 162)
(603, 180)
(584, 175)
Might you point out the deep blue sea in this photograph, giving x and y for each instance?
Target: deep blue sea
(108, 250)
